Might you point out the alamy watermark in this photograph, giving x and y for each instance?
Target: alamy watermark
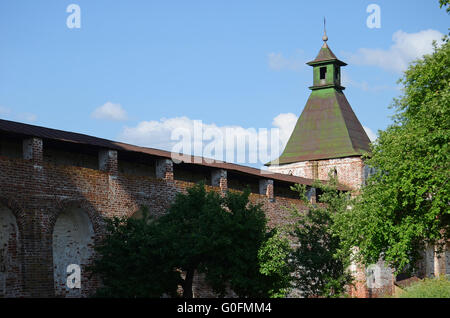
(73, 21)
(374, 19)
(74, 278)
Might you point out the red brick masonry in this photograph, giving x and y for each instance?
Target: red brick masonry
(37, 194)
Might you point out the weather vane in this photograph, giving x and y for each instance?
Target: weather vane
(325, 37)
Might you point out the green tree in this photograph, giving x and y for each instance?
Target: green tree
(405, 204)
(321, 265)
(131, 263)
(226, 239)
(445, 3)
(275, 267)
(221, 238)
(193, 232)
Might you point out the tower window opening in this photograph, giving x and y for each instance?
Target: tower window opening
(323, 72)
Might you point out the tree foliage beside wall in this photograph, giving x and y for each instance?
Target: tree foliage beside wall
(405, 204)
(320, 262)
(226, 239)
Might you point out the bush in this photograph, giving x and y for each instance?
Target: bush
(428, 288)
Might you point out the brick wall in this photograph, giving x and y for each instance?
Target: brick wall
(37, 238)
(37, 195)
(10, 248)
(349, 171)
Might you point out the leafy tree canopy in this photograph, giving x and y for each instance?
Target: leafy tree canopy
(226, 239)
(405, 204)
(445, 3)
(132, 263)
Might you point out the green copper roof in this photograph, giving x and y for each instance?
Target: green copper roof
(326, 55)
(327, 128)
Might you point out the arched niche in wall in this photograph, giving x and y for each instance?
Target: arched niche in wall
(73, 240)
(10, 256)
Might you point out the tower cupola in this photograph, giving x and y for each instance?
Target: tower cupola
(326, 68)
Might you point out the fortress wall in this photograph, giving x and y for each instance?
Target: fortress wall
(59, 209)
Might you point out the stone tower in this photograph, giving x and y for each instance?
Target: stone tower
(328, 135)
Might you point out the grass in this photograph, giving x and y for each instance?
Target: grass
(428, 288)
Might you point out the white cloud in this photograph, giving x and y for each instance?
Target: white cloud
(347, 81)
(110, 111)
(5, 111)
(249, 146)
(372, 136)
(28, 117)
(406, 48)
(22, 117)
(154, 133)
(225, 143)
(286, 123)
(277, 62)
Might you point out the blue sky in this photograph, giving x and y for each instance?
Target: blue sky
(137, 69)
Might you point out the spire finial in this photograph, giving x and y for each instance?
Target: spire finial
(325, 37)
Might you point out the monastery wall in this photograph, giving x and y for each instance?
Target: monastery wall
(53, 205)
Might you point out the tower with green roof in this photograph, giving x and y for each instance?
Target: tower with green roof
(328, 135)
